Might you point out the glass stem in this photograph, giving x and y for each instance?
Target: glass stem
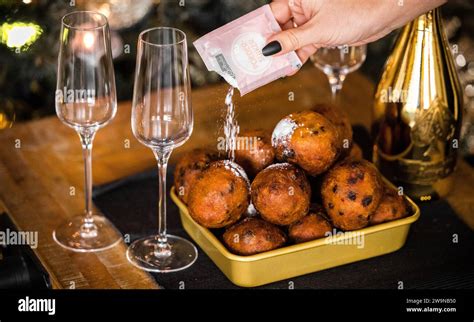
(88, 229)
(162, 157)
(335, 82)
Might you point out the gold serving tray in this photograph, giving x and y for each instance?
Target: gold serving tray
(299, 259)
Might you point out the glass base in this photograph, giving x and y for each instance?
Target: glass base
(76, 235)
(146, 254)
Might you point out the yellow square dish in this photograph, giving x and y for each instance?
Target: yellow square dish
(299, 259)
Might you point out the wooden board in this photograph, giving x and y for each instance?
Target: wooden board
(41, 167)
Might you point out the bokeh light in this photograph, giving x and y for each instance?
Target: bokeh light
(19, 35)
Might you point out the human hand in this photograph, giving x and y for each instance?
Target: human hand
(326, 23)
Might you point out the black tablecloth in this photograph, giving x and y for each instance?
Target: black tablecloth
(430, 258)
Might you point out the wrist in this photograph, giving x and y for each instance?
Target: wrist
(403, 11)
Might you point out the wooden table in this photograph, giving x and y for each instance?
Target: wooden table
(41, 168)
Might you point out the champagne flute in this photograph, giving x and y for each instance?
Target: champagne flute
(162, 119)
(337, 62)
(86, 101)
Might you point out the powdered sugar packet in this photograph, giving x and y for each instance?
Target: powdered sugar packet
(234, 51)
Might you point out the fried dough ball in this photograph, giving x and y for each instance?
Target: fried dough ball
(391, 207)
(312, 226)
(340, 119)
(252, 236)
(257, 152)
(308, 139)
(220, 195)
(281, 194)
(351, 191)
(188, 169)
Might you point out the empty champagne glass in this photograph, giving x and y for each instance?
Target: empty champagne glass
(86, 101)
(337, 62)
(162, 119)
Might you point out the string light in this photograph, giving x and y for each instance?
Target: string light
(19, 34)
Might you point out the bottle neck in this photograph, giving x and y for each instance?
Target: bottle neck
(428, 22)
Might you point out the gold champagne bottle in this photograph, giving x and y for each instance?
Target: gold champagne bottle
(417, 111)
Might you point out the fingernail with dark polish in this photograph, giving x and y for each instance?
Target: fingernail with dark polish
(272, 48)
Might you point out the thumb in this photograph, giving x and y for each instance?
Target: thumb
(290, 40)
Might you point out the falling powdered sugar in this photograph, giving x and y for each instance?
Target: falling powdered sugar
(231, 127)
